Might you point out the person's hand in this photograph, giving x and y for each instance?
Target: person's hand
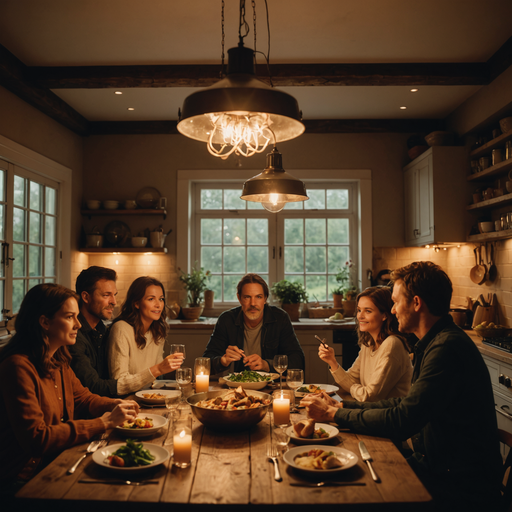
(327, 355)
(318, 409)
(171, 363)
(328, 400)
(125, 410)
(233, 353)
(255, 362)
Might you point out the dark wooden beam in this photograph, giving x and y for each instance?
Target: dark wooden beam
(13, 76)
(132, 127)
(501, 60)
(283, 75)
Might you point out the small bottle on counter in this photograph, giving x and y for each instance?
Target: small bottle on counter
(508, 149)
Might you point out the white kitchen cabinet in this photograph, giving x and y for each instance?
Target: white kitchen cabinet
(436, 195)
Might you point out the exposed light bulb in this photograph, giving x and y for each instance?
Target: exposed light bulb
(241, 133)
(276, 203)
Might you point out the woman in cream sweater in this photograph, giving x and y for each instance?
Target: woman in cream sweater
(383, 368)
(137, 338)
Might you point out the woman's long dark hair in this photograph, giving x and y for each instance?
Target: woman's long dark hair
(130, 313)
(381, 298)
(41, 300)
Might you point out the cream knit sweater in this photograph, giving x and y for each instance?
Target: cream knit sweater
(129, 364)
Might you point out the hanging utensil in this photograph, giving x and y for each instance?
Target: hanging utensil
(493, 270)
(477, 273)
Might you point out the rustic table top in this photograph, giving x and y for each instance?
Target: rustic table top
(227, 469)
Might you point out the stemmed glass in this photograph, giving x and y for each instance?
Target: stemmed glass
(294, 379)
(280, 365)
(183, 378)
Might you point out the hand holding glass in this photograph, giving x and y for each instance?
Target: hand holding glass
(280, 365)
(178, 349)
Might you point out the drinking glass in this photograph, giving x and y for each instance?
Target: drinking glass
(183, 378)
(172, 400)
(280, 365)
(294, 379)
(281, 437)
(178, 349)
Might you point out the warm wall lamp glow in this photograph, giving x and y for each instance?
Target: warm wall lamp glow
(240, 114)
(274, 187)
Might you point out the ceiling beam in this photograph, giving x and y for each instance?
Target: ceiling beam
(283, 75)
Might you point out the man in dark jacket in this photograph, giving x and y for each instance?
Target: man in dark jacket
(96, 288)
(448, 417)
(253, 333)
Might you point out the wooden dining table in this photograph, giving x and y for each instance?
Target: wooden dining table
(228, 468)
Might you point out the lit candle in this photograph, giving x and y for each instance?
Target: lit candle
(281, 407)
(182, 447)
(202, 383)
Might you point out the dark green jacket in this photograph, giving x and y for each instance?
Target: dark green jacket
(449, 412)
(277, 337)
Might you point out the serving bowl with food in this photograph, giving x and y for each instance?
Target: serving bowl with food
(309, 432)
(231, 410)
(154, 397)
(143, 425)
(130, 457)
(312, 459)
(249, 379)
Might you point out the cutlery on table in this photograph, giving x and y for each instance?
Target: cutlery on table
(325, 484)
(272, 455)
(90, 449)
(117, 482)
(365, 454)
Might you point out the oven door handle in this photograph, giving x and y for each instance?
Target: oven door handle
(502, 412)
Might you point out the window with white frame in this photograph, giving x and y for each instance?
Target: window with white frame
(306, 242)
(28, 233)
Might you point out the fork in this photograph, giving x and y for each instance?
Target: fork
(272, 455)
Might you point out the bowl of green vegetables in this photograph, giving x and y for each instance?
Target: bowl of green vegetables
(249, 379)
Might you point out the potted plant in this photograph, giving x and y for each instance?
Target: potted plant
(291, 294)
(343, 279)
(195, 283)
(346, 289)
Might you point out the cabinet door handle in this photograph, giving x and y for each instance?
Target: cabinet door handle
(416, 233)
(502, 412)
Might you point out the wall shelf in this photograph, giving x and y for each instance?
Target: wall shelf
(497, 142)
(493, 171)
(490, 203)
(124, 250)
(90, 213)
(491, 237)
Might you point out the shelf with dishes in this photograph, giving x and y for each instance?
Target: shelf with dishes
(123, 250)
(488, 204)
(492, 171)
(491, 236)
(90, 213)
(496, 143)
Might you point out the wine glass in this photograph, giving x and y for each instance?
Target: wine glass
(172, 400)
(178, 349)
(294, 379)
(183, 378)
(280, 365)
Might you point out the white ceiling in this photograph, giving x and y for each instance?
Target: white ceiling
(137, 32)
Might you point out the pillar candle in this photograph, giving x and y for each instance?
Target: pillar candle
(281, 407)
(202, 383)
(182, 447)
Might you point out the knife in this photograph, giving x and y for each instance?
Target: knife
(325, 484)
(365, 454)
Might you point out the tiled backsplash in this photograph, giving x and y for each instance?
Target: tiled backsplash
(457, 262)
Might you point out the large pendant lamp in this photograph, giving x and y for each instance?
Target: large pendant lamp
(240, 114)
(274, 187)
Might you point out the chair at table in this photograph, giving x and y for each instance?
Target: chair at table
(506, 485)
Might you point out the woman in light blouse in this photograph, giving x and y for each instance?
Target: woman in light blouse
(383, 367)
(137, 338)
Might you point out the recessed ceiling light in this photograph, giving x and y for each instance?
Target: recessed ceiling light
(403, 108)
(131, 108)
(118, 92)
(414, 90)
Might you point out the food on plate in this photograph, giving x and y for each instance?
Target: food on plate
(131, 455)
(310, 388)
(336, 316)
(304, 428)
(248, 376)
(153, 396)
(318, 459)
(236, 399)
(138, 423)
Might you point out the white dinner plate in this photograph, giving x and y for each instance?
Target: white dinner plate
(158, 423)
(100, 457)
(348, 458)
(328, 388)
(332, 431)
(155, 401)
(250, 385)
(342, 321)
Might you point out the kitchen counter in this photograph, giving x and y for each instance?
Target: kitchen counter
(489, 351)
(304, 324)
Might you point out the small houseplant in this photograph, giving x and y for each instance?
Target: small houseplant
(346, 289)
(291, 294)
(195, 283)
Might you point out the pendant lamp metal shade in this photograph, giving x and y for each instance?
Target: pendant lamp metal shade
(240, 113)
(274, 187)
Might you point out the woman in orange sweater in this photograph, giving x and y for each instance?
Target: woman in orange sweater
(43, 406)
